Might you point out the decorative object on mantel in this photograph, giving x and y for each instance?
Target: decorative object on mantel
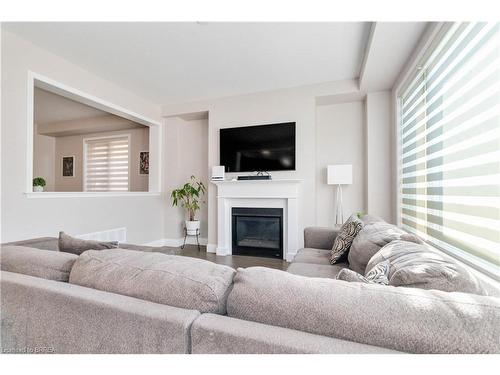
(38, 184)
(189, 197)
(340, 174)
(218, 173)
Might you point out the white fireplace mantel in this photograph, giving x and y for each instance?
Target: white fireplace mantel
(281, 193)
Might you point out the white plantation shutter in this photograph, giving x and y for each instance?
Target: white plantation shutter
(449, 134)
(107, 164)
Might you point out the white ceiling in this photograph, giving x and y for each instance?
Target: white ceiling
(176, 62)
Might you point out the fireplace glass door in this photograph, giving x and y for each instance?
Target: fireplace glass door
(257, 232)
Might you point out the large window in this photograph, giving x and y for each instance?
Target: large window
(449, 145)
(107, 164)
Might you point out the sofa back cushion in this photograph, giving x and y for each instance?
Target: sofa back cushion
(417, 266)
(370, 219)
(404, 319)
(47, 264)
(167, 279)
(371, 239)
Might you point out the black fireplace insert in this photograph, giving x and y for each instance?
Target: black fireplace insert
(257, 232)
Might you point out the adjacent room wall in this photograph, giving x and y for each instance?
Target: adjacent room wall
(186, 148)
(24, 217)
(44, 159)
(73, 146)
(339, 140)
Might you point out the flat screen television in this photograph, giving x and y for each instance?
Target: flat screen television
(258, 148)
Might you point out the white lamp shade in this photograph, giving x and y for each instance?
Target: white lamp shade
(340, 174)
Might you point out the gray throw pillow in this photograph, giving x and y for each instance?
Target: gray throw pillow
(378, 275)
(344, 239)
(418, 266)
(77, 246)
(374, 236)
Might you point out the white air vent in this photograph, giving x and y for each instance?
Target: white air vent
(117, 234)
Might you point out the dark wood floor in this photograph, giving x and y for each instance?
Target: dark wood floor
(234, 261)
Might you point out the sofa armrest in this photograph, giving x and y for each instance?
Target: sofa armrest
(319, 237)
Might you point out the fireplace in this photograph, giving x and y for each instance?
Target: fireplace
(257, 232)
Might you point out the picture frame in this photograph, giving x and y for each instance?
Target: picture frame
(68, 166)
(144, 163)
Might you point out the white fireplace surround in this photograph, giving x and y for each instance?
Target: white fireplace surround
(258, 194)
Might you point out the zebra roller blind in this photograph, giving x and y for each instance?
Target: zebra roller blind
(107, 164)
(449, 150)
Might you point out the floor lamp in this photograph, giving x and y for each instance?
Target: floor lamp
(340, 174)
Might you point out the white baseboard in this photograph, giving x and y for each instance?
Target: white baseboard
(211, 248)
(176, 242)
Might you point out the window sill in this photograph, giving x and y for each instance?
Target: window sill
(88, 194)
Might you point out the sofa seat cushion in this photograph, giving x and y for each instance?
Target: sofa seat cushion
(47, 264)
(371, 239)
(405, 319)
(316, 270)
(417, 266)
(167, 279)
(314, 256)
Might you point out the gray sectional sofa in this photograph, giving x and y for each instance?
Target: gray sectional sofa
(127, 301)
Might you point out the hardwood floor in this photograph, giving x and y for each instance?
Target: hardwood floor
(234, 261)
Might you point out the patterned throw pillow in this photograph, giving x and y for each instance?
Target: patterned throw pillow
(377, 275)
(380, 273)
(344, 239)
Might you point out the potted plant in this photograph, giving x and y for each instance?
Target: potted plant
(38, 184)
(189, 196)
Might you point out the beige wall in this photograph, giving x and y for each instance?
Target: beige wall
(24, 217)
(73, 146)
(186, 148)
(44, 158)
(298, 105)
(325, 134)
(339, 140)
(379, 191)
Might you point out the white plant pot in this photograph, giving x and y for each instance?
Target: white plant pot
(192, 227)
(37, 189)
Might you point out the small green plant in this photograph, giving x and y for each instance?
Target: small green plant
(189, 196)
(39, 181)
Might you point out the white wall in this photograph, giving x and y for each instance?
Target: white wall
(340, 139)
(186, 148)
(379, 144)
(24, 217)
(44, 159)
(296, 104)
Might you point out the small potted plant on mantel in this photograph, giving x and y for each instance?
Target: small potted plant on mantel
(38, 184)
(189, 196)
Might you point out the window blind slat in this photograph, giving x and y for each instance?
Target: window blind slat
(449, 135)
(107, 164)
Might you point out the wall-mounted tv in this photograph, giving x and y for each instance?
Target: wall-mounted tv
(258, 148)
